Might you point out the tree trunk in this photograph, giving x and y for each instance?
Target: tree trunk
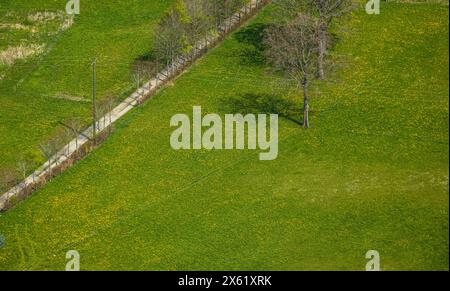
(305, 104)
(323, 45)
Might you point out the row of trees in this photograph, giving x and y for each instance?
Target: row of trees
(187, 23)
(178, 33)
(70, 130)
(298, 45)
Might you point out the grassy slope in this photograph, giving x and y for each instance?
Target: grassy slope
(114, 32)
(371, 174)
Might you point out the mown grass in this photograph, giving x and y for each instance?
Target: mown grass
(372, 173)
(33, 92)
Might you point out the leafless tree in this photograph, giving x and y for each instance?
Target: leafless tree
(23, 166)
(106, 106)
(75, 125)
(292, 48)
(56, 143)
(143, 70)
(325, 11)
(46, 151)
(66, 137)
(49, 150)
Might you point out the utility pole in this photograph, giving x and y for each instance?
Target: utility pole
(94, 101)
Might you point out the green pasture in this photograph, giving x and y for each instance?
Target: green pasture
(372, 173)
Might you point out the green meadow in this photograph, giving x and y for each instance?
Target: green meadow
(371, 173)
(55, 84)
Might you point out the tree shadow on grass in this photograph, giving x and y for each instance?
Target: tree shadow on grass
(251, 103)
(253, 37)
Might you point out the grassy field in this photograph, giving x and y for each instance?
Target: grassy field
(372, 173)
(54, 83)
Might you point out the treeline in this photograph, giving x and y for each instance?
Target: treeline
(53, 149)
(179, 34)
(188, 23)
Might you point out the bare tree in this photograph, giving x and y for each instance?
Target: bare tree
(66, 138)
(106, 106)
(292, 48)
(23, 166)
(46, 151)
(49, 150)
(74, 125)
(56, 144)
(103, 111)
(325, 11)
